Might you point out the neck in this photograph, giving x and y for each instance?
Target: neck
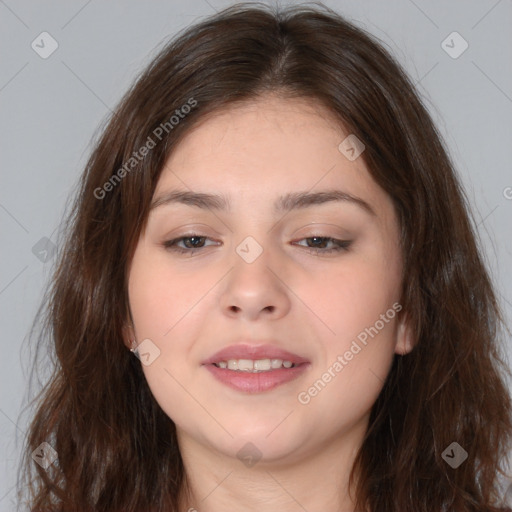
(315, 480)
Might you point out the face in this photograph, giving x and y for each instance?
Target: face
(271, 270)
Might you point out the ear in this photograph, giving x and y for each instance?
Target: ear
(405, 341)
(129, 336)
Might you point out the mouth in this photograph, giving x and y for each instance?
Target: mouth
(255, 369)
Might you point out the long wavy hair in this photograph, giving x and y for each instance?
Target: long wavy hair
(117, 450)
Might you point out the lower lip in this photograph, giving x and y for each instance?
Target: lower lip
(256, 382)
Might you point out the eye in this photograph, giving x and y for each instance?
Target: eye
(319, 243)
(191, 242)
(194, 243)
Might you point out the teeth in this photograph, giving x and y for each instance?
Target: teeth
(254, 366)
(245, 365)
(262, 364)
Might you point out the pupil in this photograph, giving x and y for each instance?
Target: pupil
(196, 238)
(317, 238)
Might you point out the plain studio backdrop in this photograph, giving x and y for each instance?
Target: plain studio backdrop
(54, 94)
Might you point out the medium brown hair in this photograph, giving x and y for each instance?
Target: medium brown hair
(117, 450)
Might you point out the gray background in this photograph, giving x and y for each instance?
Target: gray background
(51, 108)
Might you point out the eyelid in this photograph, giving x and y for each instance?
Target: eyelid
(317, 228)
(191, 229)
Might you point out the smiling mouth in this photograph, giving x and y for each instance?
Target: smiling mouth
(255, 376)
(250, 368)
(254, 366)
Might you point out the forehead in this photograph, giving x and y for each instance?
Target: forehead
(258, 150)
(268, 127)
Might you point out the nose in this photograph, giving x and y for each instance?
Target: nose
(255, 290)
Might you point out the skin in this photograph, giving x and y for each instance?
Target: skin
(312, 304)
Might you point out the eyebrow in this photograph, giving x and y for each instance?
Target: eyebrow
(284, 203)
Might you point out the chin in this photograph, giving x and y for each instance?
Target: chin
(263, 443)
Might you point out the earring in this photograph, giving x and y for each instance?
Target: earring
(135, 350)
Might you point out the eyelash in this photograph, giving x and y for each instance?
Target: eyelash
(341, 245)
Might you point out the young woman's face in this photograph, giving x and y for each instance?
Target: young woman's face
(259, 272)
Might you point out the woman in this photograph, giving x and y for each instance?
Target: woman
(271, 224)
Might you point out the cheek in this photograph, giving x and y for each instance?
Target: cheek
(166, 309)
(352, 295)
(161, 297)
(169, 387)
(356, 359)
(359, 304)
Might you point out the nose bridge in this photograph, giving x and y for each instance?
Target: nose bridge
(251, 266)
(252, 286)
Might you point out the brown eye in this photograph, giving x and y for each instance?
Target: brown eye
(319, 243)
(191, 243)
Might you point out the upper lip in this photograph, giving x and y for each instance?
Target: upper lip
(254, 352)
